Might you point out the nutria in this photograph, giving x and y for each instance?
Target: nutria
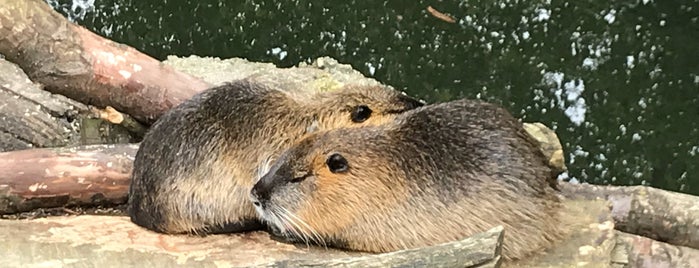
(434, 174)
(197, 163)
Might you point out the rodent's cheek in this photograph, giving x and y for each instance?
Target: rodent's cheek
(331, 203)
(379, 119)
(290, 195)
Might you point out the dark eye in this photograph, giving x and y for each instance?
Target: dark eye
(360, 113)
(337, 163)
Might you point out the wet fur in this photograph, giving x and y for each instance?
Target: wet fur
(435, 174)
(196, 165)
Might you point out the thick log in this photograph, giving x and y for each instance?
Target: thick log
(86, 175)
(657, 214)
(74, 62)
(642, 252)
(480, 250)
(31, 117)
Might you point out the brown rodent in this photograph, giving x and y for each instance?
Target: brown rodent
(197, 163)
(435, 174)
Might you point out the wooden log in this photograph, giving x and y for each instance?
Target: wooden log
(74, 62)
(657, 214)
(31, 117)
(480, 250)
(85, 175)
(642, 252)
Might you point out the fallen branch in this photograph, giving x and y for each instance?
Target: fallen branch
(113, 116)
(480, 250)
(643, 252)
(657, 214)
(435, 13)
(74, 62)
(32, 117)
(85, 175)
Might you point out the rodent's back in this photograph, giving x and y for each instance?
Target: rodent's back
(200, 131)
(487, 135)
(486, 171)
(435, 174)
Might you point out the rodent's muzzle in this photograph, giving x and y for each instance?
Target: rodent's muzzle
(262, 191)
(260, 194)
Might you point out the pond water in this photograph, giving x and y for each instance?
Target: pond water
(618, 81)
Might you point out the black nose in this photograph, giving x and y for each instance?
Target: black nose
(261, 191)
(265, 186)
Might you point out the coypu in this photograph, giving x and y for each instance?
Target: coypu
(434, 174)
(196, 165)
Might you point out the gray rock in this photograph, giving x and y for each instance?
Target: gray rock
(322, 75)
(113, 241)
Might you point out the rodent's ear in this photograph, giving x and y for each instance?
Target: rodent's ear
(360, 113)
(409, 102)
(337, 163)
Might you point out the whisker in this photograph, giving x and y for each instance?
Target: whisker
(278, 221)
(281, 222)
(263, 167)
(290, 225)
(318, 239)
(303, 234)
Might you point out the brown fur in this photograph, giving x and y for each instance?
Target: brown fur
(434, 174)
(197, 164)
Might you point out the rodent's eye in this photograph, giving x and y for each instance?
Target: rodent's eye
(361, 113)
(337, 163)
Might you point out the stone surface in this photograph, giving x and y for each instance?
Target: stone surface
(323, 74)
(548, 144)
(113, 241)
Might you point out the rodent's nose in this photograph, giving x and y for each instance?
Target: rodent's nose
(257, 197)
(263, 189)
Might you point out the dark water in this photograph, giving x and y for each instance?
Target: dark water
(617, 80)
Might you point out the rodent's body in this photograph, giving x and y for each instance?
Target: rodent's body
(196, 165)
(435, 174)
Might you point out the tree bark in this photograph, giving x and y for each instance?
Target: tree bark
(32, 117)
(480, 250)
(86, 175)
(74, 62)
(657, 214)
(642, 252)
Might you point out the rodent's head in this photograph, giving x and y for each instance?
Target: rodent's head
(354, 106)
(327, 181)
